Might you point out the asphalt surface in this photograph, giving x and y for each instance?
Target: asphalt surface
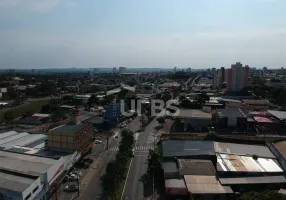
(137, 184)
(90, 188)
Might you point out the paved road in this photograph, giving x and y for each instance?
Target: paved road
(90, 182)
(137, 187)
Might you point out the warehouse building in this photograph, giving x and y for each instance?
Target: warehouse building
(218, 169)
(230, 118)
(28, 169)
(192, 118)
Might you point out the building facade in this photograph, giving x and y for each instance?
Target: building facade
(237, 77)
(122, 70)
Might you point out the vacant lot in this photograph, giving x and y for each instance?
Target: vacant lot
(18, 111)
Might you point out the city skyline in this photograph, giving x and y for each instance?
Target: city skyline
(137, 34)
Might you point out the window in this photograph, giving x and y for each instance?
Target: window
(35, 190)
(27, 197)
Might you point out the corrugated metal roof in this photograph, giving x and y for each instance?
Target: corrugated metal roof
(15, 183)
(13, 137)
(170, 167)
(29, 139)
(278, 114)
(176, 187)
(235, 163)
(205, 185)
(196, 167)
(177, 148)
(252, 180)
(243, 149)
(281, 147)
(7, 134)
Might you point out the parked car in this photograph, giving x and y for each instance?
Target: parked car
(97, 141)
(88, 160)
(73, 187)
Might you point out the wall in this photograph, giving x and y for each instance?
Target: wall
(277, 154)
(30, 189)
(53, 172)
(7, 194)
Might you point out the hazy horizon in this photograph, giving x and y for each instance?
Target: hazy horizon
(144, 33)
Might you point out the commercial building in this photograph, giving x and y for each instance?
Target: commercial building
(230, 118)
(256, 104)
(71, 137)
(36, 119)
(218, 170)
(194, 118)
(237, 77)
(28, 170)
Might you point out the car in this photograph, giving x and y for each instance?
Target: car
(72, 187)
(97, 141)
(77, 173)
(88, 160)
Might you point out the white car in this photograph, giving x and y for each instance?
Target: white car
(98, 141)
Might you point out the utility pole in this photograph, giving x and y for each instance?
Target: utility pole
(107, 141)
(78, 185)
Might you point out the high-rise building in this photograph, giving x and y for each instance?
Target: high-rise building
(114, 70)
(122, 70)
(175, 69)
(237, 77)
(222, 75)
(217, 77)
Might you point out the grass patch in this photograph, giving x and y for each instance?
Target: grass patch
(32, 107)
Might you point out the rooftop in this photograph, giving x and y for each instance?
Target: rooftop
(69, 128)
(243, 149)
(255, 101)
(25, 164)
(205, 185)
(262, 119)
(170, 167)
(190, 113)
(230, 112)
(196, 167)
(279, 114)
(181, 148)
(252, 180)
(281, 147)
(235, 163)
(15, 183)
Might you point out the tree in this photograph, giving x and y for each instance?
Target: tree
(58, 114)
(154, 161)
(8, 117)
(161, 120)
(108, 99)
(266, 195)
(92, 100)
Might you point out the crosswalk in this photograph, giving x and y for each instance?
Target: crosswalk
(137, 148)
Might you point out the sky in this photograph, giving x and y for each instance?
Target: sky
(142, 33)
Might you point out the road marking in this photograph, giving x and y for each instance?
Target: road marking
(127, 174)
(95, 163)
